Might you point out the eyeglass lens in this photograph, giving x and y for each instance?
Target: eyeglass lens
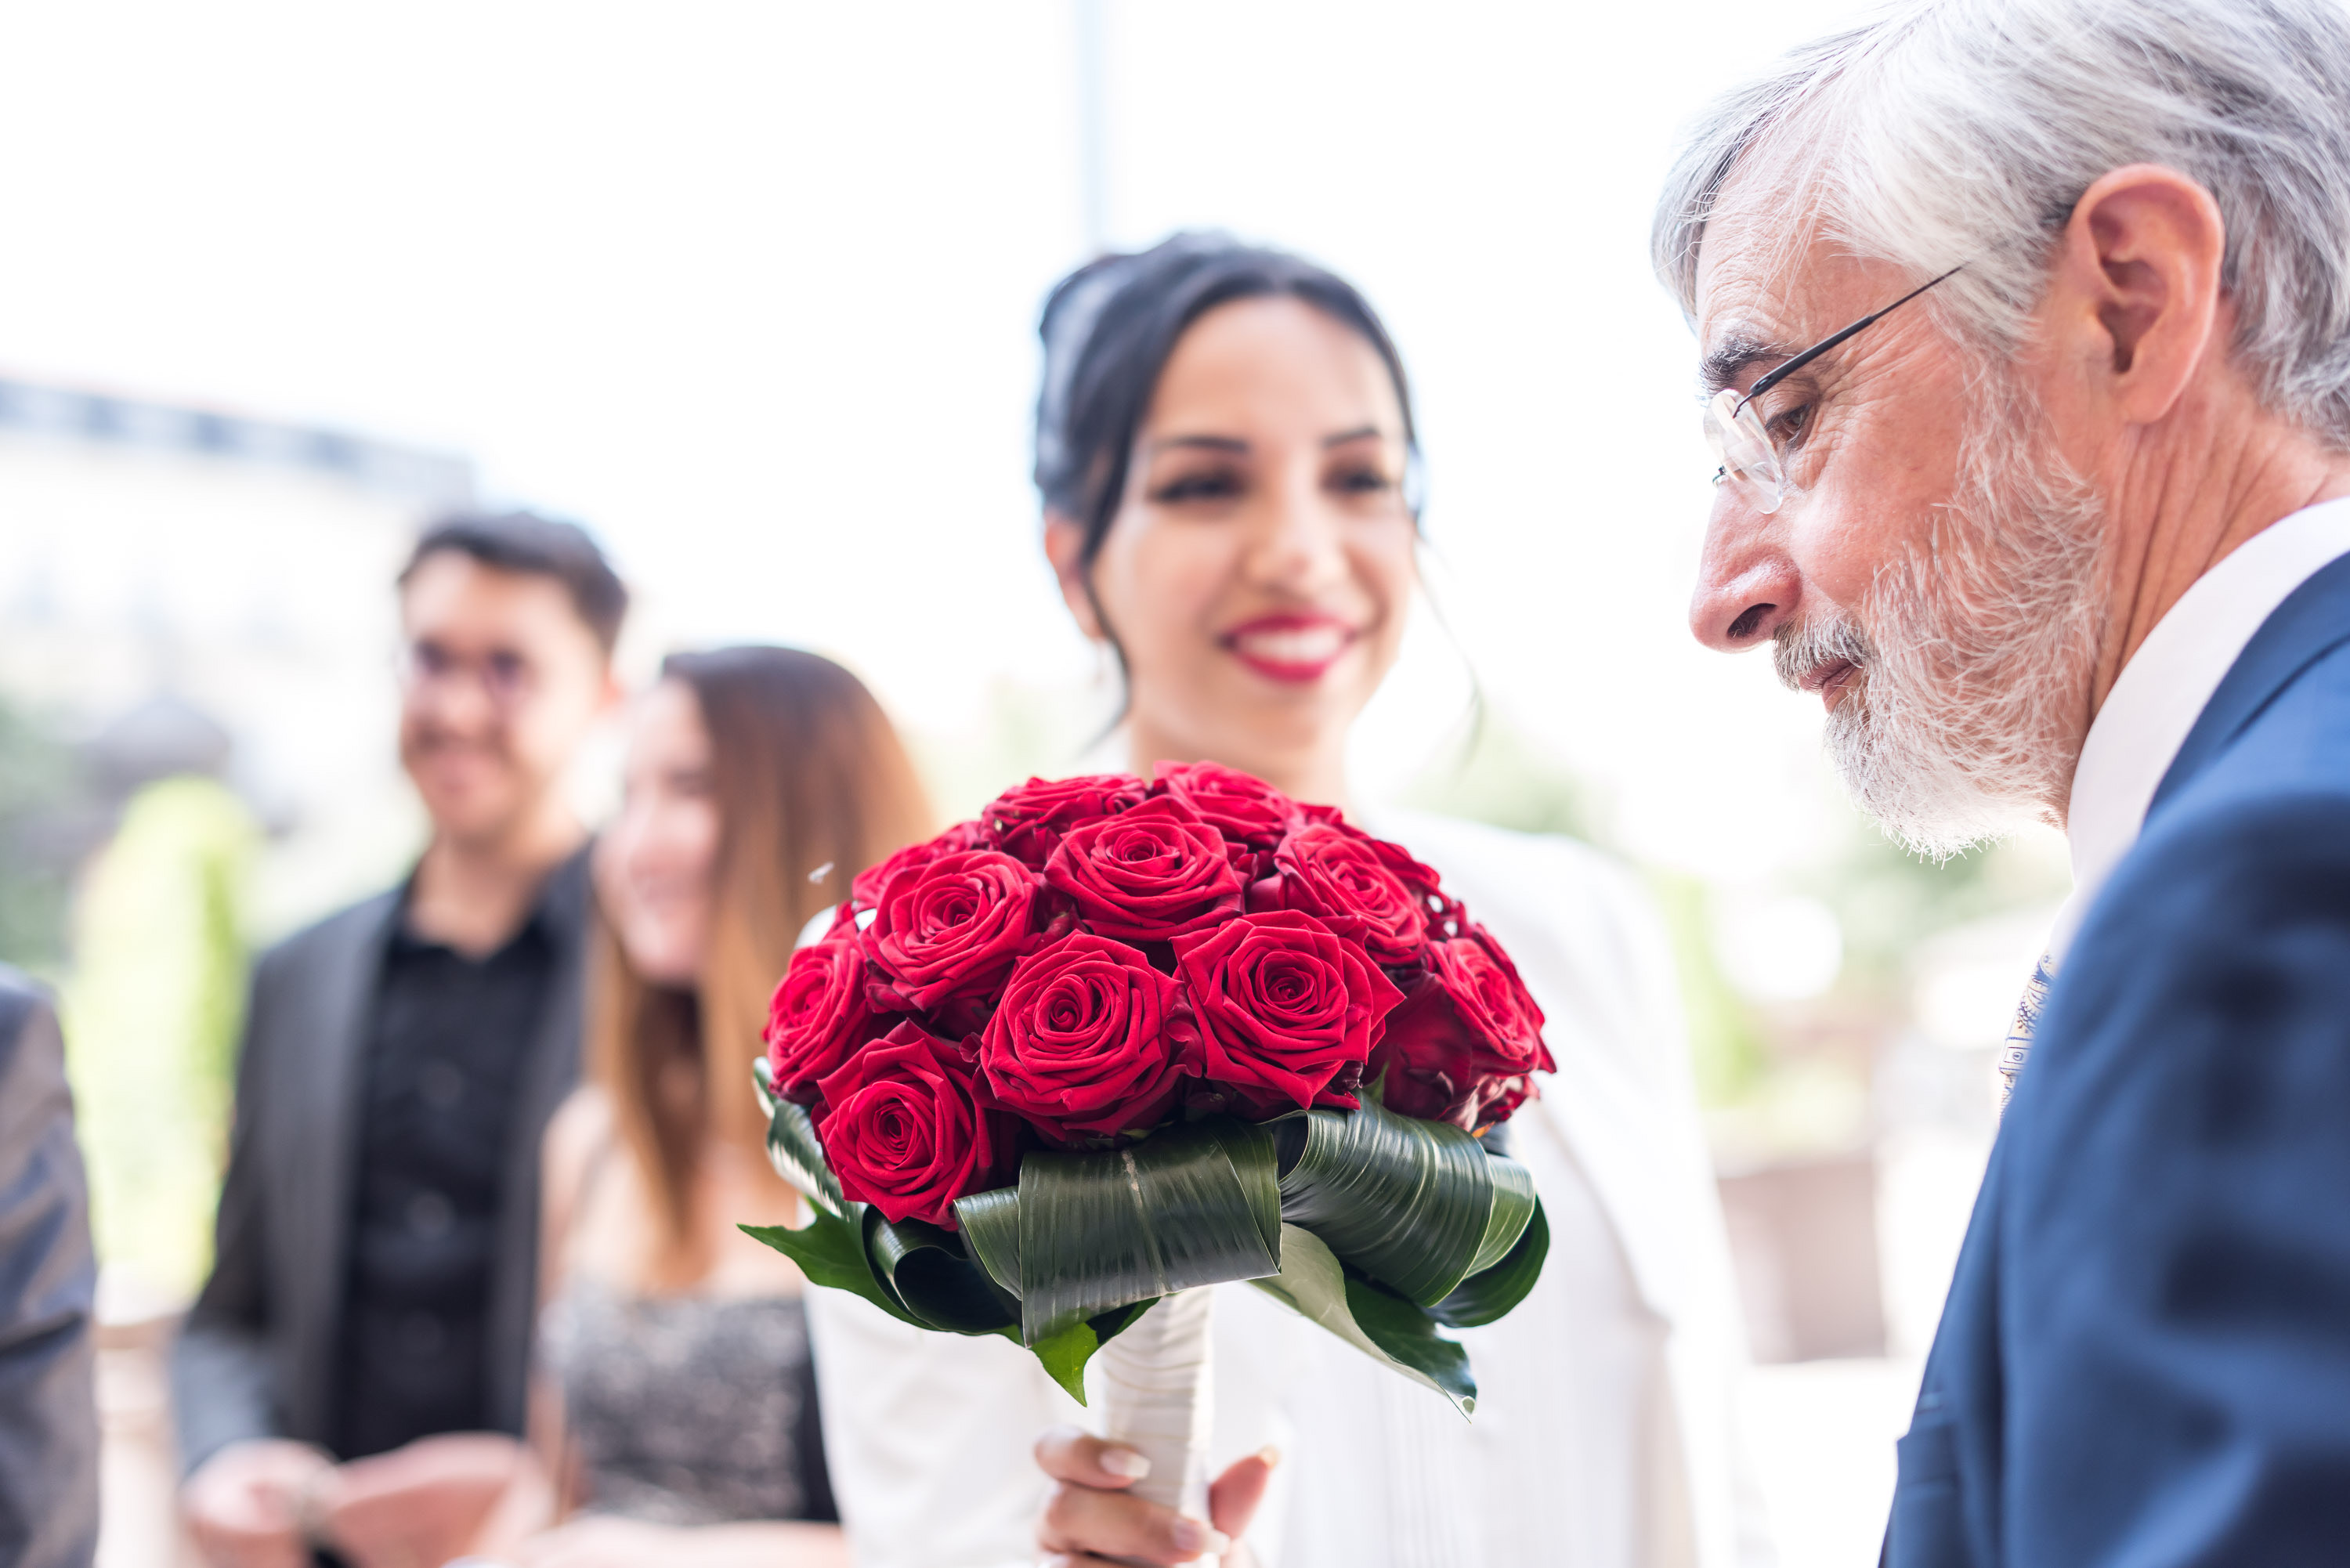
(1743, 449)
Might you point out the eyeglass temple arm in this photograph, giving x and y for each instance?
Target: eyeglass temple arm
(1772, 379)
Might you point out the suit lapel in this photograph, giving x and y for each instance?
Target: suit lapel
(318, 1184)
(2314, 619)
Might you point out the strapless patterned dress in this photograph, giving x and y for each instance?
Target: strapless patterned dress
(687, 1409)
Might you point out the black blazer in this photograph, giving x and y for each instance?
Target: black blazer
(257, 1358)
(2146, 1354)
(49, 1405)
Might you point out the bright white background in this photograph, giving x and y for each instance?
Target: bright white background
(751, 290)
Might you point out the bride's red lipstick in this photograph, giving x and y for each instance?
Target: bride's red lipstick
(1296, 649)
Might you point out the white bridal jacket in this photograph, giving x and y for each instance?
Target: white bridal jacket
(1603, 1433)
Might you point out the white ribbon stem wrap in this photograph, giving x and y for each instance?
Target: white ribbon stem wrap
(1158, 1397)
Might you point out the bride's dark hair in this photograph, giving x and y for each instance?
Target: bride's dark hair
(1109, 329)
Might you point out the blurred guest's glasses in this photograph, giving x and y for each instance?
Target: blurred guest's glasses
(1749, 458)
(505, 677)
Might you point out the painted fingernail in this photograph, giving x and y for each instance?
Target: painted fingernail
(1124, 1462)
(1191, 1535)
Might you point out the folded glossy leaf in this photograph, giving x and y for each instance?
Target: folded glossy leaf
(1514, 1207)
(1385, 1327)
(793, 1149)
(1490, 1294)
(1192, 1205)
(930, 1273)
(1413, 1204)
(991, 1227)
(830, 1251)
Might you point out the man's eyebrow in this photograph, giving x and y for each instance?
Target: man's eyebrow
(1359, 433)
(1726, 364)
(1207, 442)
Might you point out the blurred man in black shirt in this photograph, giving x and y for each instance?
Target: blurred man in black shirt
(354, 1372)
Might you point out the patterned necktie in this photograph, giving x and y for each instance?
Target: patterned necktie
(2027, 1019)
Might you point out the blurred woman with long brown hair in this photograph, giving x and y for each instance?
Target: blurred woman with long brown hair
(676, 1408)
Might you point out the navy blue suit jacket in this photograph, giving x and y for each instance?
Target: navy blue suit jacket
(2144, 1358)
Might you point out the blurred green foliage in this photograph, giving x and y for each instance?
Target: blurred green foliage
(1889, 900)
(1730, 1054)
(152, 1008)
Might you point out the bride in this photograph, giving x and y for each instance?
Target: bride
(1224, 447)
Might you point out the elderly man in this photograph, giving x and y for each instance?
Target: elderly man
(2027, 327)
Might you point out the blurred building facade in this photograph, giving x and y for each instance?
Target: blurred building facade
(165, 566)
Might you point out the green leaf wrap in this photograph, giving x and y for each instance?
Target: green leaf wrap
(991, 1227)
(1418, 1206)
(927, 1269)
(1191, 1205)
(793, 1149)
(1314, 1285)
(1379, 1227)
(1490, 1294)
(830, 1251)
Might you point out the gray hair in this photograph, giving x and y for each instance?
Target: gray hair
(1942, 132)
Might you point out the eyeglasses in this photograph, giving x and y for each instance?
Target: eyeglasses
(1749, 458)
(506, 677)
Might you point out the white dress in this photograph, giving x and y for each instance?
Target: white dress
(1604, 1434)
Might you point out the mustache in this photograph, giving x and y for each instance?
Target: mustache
(1801, 646)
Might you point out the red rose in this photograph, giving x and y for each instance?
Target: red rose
(1443, 913)
(1079, 1046)
(866, 891)
(1149, 873)
(818, 1015)
(1461, 1046)
(1341, 875)
(950, 926)
(1028, 820)
(1246, 810)
(907, 1128)
(1287, 1011)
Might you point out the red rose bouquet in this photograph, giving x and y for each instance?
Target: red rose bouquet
(1117, 1040)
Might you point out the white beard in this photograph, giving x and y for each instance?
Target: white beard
(1965, 716)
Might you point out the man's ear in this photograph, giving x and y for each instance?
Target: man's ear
(1065, 546)
(2139, 277)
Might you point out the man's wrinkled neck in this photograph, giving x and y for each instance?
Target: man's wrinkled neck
(2187, 498)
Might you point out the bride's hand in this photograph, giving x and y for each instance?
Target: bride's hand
(1089, 1521)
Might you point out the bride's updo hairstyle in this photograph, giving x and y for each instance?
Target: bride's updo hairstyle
(1110, 328)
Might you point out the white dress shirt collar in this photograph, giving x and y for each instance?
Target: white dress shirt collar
(2163, 689)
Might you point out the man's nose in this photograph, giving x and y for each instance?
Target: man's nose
(1747, 586)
